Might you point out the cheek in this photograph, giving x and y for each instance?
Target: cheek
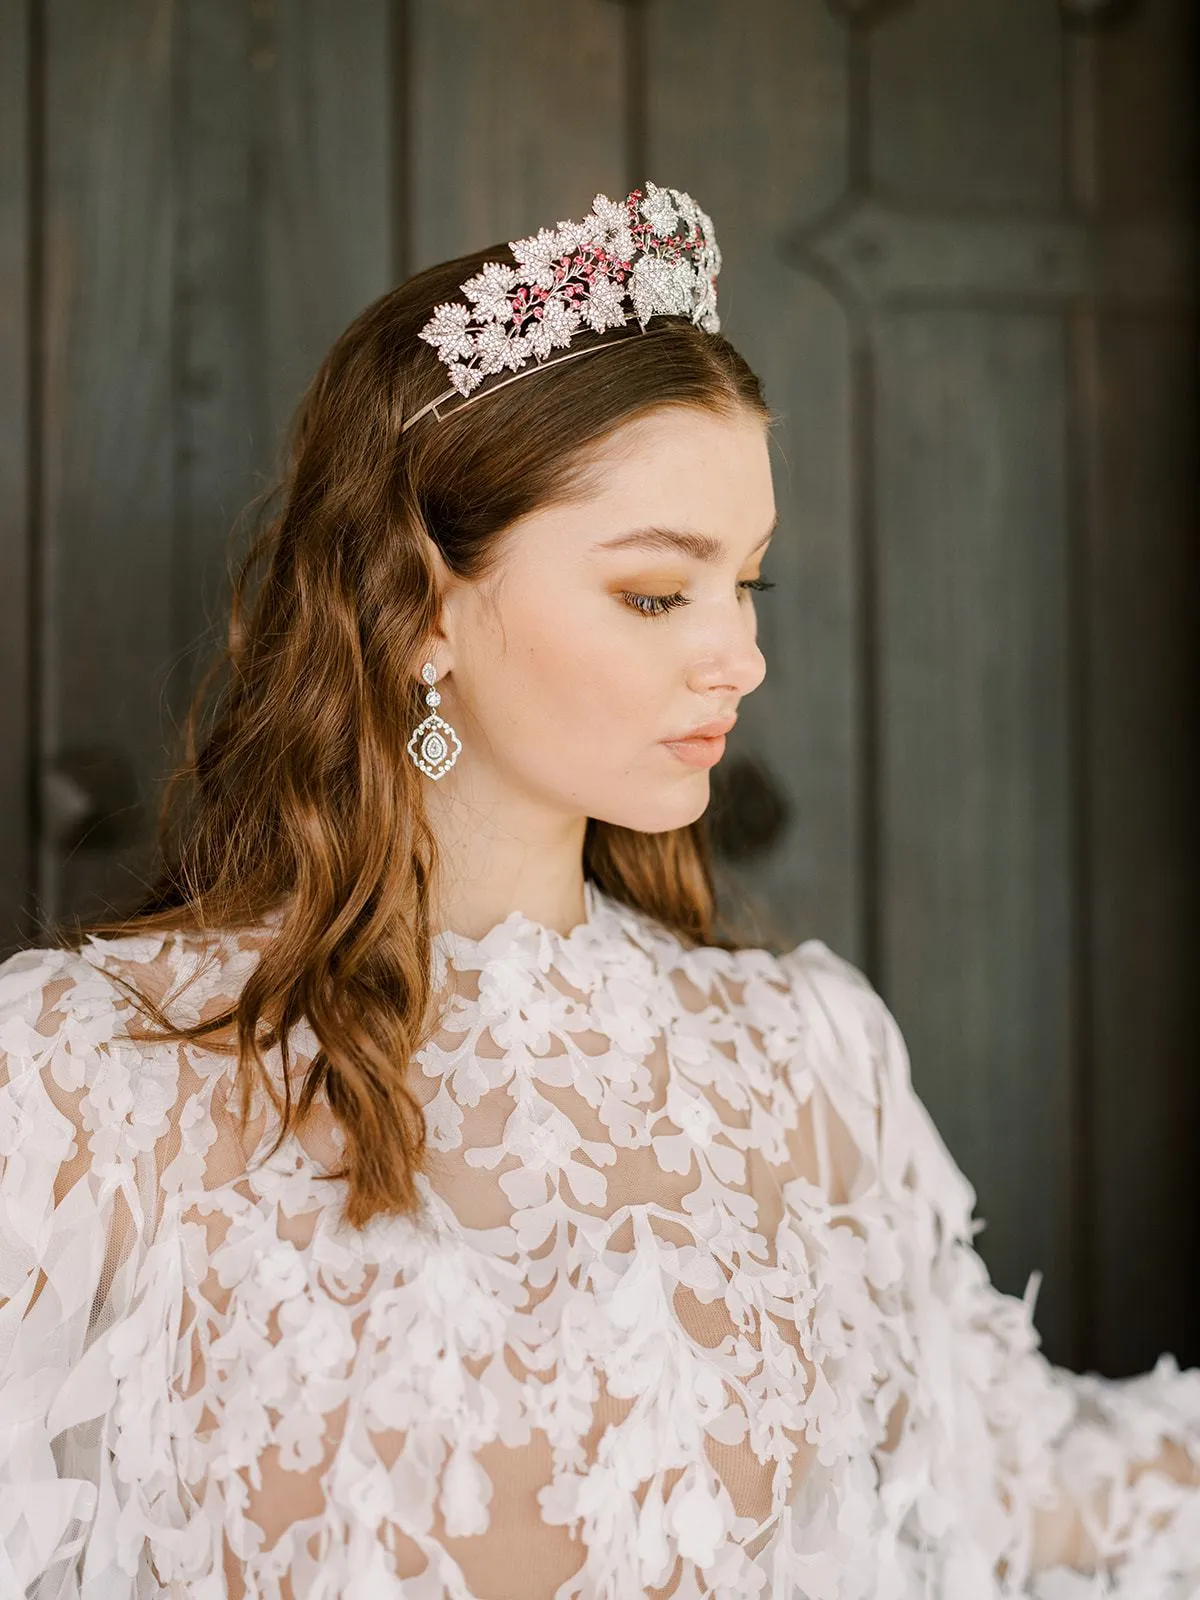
(576, 670)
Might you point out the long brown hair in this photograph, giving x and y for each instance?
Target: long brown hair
(301, 800)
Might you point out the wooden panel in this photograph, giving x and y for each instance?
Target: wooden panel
(218, 192)
(323, 96)
(18, 91)
(891, 256)
(283, 231)
(747, 112)
(106, 569)
(1142, 590)
(220, 406)
(965, 104)
(1148, 110)
(518, 118)
(976, 847)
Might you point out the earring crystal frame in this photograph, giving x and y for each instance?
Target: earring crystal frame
(434, 746)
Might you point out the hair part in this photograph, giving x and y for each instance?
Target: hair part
(300, 800)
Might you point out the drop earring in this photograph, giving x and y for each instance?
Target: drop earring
(434, 745)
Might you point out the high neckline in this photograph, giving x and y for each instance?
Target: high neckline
(603, 916)
(597, 910)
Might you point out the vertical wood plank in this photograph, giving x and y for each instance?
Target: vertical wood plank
(748, 111)
(283, 232)
(1143, 602)
(1139, 397)
(107, 559)
(965, 104)
(978, 950)
(517, 118)
(1148, 122)
(323, 95)
(218, 188)
(219, 394)
(977, 929)
(1133, 142)
(19, 87)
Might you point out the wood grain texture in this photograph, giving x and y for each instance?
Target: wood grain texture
(1132, 117)
(219, 401)
(108, 489)
(1148, 115)
(966, 105)
(323, 97)
(976, 847)
(283, 233)
(1140, 587)
(747, 112)
(518, 118)
(218, 189)
(18, 89)
(952, 252)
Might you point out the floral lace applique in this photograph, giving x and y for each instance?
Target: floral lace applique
(691, 1306)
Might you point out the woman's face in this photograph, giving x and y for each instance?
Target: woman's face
(568, 670)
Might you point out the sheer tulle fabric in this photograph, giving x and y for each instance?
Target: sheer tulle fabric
(691, 1307)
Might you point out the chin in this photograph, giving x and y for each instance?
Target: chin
(660, 813)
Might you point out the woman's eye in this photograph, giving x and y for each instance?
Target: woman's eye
(657, 605)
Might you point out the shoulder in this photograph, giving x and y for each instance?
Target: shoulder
(71, 1017)
(85, 1088)
(833, 1000)
(809, 1009)
(821, 1019)
(842, 1021)
(103, 977)
(837, 999)
(44, 991)
(45, 985)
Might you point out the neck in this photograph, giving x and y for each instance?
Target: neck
(498, 857)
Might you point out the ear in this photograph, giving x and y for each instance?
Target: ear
(439, 646)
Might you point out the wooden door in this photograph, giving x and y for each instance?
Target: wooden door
(959, 248)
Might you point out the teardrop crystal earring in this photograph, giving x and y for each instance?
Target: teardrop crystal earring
(431, 741)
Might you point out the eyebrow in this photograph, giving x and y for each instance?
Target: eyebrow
(700, 546)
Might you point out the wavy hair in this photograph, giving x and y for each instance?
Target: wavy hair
(300, 799)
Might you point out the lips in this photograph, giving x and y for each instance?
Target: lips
(708, 730)
(698, 752)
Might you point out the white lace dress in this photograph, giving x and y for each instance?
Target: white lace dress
(691, 1308)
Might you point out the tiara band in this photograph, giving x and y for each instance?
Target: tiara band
(653, 253)
(482, 394)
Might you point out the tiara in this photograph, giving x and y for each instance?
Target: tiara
(653, 253)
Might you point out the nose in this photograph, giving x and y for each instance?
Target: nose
(736, 665)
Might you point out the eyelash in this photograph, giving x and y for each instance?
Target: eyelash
(660, 604)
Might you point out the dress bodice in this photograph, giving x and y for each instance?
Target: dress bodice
(690, 1305)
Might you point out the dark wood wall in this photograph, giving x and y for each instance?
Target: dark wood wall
(959, 247)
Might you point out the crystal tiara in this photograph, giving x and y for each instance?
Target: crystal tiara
(653, 253)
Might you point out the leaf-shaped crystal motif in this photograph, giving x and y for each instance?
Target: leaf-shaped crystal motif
(447, 329)
(653, 254)
(658, 210)
(489, 292)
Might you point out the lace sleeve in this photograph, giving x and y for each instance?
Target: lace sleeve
(73, 1193)
(1063, 1485)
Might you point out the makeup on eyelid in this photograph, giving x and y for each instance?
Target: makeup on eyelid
(660, 604)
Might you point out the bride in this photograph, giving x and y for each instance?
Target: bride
(417, 1195)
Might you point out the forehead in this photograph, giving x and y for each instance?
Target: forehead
(674, 443)
(678, 465)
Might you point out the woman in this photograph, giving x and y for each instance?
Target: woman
(417, 1196)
